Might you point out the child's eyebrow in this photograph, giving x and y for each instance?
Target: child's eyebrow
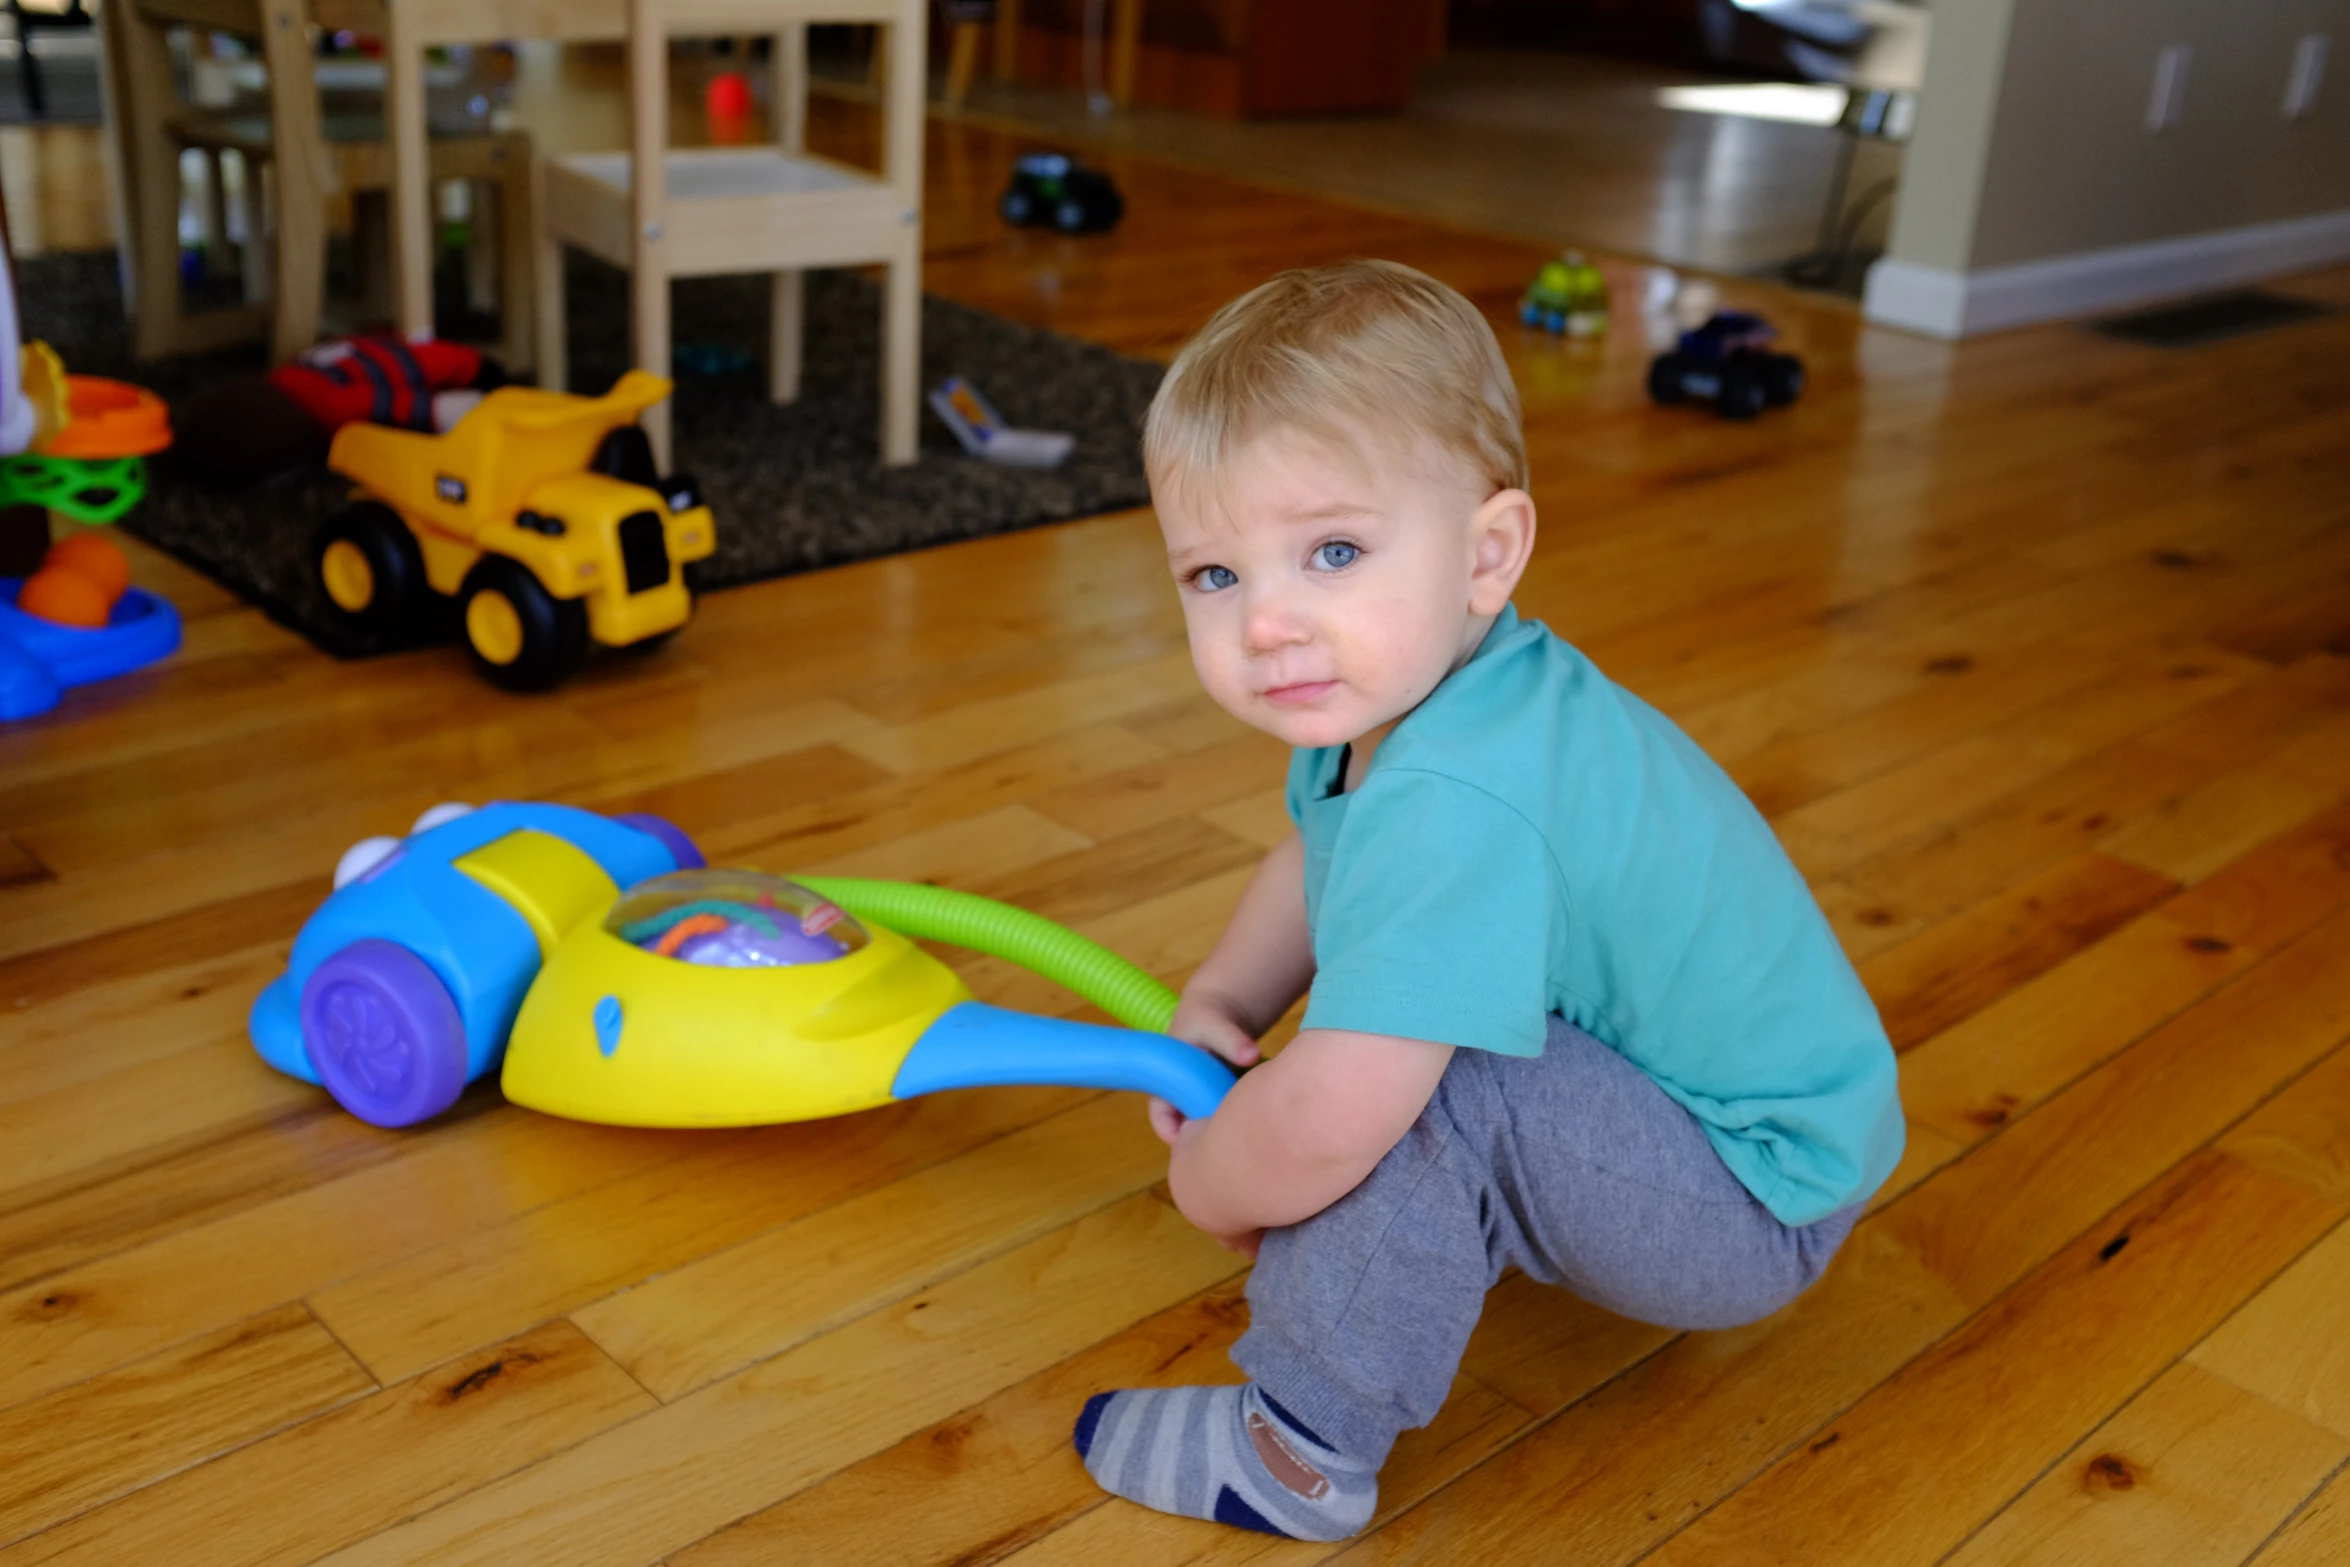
(1334, 510)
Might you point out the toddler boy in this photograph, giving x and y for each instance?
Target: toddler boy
(1573, 1011)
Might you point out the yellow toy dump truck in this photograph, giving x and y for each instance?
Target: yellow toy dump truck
(540, 512)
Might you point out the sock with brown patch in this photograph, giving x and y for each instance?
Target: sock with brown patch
(1226, 1453)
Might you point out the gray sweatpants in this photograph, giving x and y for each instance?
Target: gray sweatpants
(1574, 1168)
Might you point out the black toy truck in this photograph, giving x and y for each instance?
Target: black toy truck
(1729, 360)
(1054, 189)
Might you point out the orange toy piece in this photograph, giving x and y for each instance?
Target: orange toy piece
(109, 419)
(94, 558)
(686, 930)
(65, 598)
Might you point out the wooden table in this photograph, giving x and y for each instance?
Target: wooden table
(411, 27)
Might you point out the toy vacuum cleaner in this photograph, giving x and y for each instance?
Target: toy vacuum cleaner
(502, 937)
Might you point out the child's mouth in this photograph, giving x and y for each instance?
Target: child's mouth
(1302, 695)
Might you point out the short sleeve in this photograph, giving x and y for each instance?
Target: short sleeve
(1435, 920)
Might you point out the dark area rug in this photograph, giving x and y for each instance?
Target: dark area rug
(792, 488)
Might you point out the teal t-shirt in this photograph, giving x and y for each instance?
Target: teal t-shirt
(1533, 839)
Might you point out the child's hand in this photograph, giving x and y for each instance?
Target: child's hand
(1167, 1121)
(1208, 1021)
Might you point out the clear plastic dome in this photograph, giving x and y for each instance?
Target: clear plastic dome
(733, 919)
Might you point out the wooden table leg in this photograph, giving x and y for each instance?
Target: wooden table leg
(411, 178)
(1007, 39)
(1125, 45)
(962, 63)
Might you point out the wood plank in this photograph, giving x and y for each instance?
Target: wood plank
(1103, 878)
(2286, 1345)
(706, 1320)
(981, 729)
(448, 1182)
(797, 832)
(145, 1015)
(19, 865)
(1002, 1472)
(1981, 1073)
(2303, 1133)
(203, 934)
(668, 1478)
(2030, 827)
(1912, 1469)
(1962, 965)
(961, 851)
(207, 1182)
(1183, 784)
(1262, 819)
(727, 1189)
(2193, 1471)
(2199, 832)
(1543, 1348)
(367, 1464)
(2319, 1536)
(181, 1099)
(78, 1447)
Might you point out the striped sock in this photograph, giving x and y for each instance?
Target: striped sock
(1226, 1453)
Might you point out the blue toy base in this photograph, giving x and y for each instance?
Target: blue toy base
(39, 658)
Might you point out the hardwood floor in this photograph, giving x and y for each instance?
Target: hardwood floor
(2037, 651)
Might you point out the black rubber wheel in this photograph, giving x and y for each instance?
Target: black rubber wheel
(1664, 379)
(1742, 396)
(1069, 216)
(520, 636)
(1017, 208)
(1782, 378)
(368, 566)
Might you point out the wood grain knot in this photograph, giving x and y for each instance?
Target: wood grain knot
(2111, 1472)
(50, 1307)
(473, 1382)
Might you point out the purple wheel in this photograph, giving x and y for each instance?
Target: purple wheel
(668, 835)
(386, 1040)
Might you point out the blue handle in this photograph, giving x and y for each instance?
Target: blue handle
(974, 1045)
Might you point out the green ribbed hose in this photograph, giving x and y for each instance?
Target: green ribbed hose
(965, 919)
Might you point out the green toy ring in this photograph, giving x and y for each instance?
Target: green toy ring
(89, 490)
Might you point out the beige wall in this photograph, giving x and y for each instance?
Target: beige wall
(1942, 172)
(2031, 141)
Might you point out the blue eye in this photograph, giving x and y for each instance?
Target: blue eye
(1336, 555)
(1213, 579)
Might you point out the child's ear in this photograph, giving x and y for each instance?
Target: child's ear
(1502, 538)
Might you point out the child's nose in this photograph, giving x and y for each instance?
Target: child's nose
(1272, 623)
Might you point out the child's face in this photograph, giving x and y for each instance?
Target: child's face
(1325, 595)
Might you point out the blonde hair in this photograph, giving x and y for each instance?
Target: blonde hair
(1341, 354)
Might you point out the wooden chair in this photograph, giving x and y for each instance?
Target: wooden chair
(665, 213)
(360, 164)
(307, 159)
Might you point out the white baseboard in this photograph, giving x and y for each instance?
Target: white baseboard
(1961, 304)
